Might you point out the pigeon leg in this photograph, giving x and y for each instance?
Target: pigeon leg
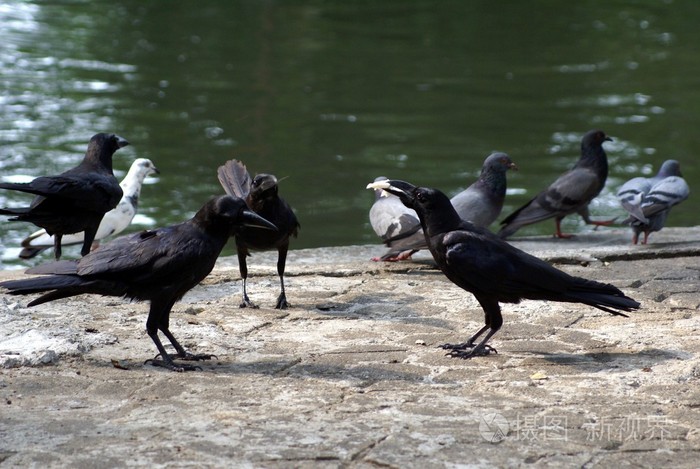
(558, 233)
(406, 255)
(601, 223)
(587, 218)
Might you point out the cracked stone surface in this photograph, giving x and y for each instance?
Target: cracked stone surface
(351, 375)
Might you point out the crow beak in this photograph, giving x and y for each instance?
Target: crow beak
(121, 142)
(402, 189)
(607, 139)
(254, 220)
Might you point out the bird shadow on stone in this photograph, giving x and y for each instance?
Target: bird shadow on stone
(324, 367)
(616, 361)
(379, 306)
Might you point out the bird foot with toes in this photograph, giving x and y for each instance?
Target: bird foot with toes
(475, 352)
(170, 365)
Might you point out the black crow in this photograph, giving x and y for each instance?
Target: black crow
(75, 200)
(260, 193)
(114, 222)
(495, 272)
(570, 193)
(480, 203)
(158, 265)
(649, 200)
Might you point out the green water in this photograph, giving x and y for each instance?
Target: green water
(331, 94)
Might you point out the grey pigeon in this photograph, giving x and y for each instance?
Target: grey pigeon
(392, 220)
(570, 193)
(649, 200)
(75, 200)
(114, 222)
(481, 203)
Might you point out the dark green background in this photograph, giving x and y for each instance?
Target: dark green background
(332, 94)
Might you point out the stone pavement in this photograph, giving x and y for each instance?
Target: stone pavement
(351, 375)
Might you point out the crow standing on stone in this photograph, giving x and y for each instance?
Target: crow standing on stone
(480, 203)
(261, 195)
(114, 222)
(649, 200)
(75, 200)
(158, 265)
(570, 193)
(495, 272)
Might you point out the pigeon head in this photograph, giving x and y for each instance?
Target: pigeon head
(594, 138)
(146, 166)
(670, 168)
(498, 162)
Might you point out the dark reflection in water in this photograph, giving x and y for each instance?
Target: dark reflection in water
(331, 94)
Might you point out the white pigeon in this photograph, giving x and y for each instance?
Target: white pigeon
(649, 200)
(113, 222)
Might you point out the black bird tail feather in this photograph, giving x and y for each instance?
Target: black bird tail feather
(14, 211)
(61, 286)
(235, 179)
(603, 296)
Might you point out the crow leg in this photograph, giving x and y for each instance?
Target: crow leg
(468, 344)
(57, 245)
(494, 321)
(281, 262)
(87, 242)
(481, 350)
(243, 268)
(157, 316)
(182, 354)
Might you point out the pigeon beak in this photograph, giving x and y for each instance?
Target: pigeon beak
(155, 170)
(513, 166)
(253, 220)
(121, 142)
